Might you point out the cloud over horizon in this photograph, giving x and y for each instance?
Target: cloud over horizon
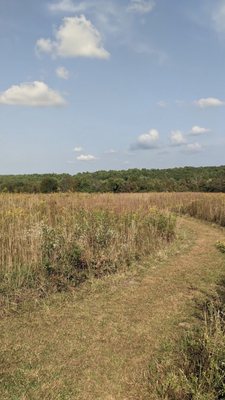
(86, 157)
(193, 147)
(198, 130)
(209, 102)
(32, 94)
(146, 141)
(177, 138)
(120, 70)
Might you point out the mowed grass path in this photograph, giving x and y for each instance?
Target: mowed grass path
(98, 342)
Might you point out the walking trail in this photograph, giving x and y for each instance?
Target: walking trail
(98, 343)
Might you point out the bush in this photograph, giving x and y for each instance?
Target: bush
(49, 185)
(61, 259)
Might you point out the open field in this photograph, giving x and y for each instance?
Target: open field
(78, 337)
(50, 242)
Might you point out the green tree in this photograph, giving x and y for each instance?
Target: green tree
(49, 185)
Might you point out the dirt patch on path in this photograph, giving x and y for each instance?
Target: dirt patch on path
(99, 346)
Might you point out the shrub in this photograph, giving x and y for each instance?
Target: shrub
(49, 185)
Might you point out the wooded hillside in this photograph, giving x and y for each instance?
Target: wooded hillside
(202, 179)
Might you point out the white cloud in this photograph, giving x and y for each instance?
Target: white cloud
(198, 130)
(86, 157)
(141, 6)
(62, 73)
(177, 138)
(33, 94)
(114, 20)
(76, 37)
(194, 147)
(146, 141)
(66, 6)
(77, 149)
(209, 102)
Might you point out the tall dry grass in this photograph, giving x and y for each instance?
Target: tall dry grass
(64, 238)
(55, 240)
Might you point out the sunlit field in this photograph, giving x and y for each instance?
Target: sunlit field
(56, 240)
(100, 280)
(60, 239)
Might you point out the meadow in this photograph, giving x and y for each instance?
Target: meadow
(55, 240)
(52, 241)
(53, 244)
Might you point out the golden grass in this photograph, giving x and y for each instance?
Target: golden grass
(50, 241)
(61, 239)
(97, 341)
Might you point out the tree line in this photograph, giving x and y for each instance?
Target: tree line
(194, 179)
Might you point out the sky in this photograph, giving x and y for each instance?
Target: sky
(108, 84)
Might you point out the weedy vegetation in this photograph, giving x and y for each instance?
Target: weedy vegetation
(194, 368)
(55, 241)
(51, 243)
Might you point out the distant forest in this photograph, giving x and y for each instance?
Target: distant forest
(202, 179)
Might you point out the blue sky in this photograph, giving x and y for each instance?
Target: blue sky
(90, 85)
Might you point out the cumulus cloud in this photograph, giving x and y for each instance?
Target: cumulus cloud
(116, 19)
(147, 141)
(198, 130)
(177, 138)
(76, 37)
(62, 73)
(77, 149)
(86, 157)
(141, 6)
(33, 94)
(193, 147)
(209, 102)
